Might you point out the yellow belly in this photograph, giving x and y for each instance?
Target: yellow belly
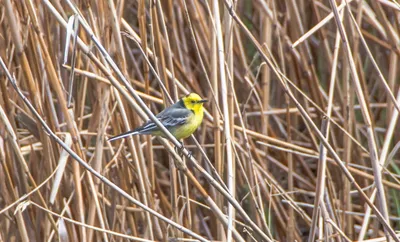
(188, 129)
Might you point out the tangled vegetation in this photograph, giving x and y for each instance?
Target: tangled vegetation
(299, 141)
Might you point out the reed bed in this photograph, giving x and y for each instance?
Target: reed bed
(299, 142)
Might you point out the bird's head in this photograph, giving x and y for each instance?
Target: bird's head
(193, 102)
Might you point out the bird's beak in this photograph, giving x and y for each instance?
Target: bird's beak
(202, 101)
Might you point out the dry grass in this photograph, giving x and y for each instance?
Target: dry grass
(299, 141)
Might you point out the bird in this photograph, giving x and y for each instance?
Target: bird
(181, 119)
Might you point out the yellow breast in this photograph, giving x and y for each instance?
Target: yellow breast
(188, 129)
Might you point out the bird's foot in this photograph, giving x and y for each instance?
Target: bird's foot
(190, 154)
(180, 149)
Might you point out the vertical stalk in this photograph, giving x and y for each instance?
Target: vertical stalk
(225, 108)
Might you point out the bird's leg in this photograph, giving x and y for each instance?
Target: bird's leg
(179, 150)
(189, 156)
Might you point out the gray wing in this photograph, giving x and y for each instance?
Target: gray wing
(170, 117)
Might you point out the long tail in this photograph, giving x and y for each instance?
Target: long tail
(147, 128)
(120, 136)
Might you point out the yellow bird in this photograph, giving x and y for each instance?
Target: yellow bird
(181, 119)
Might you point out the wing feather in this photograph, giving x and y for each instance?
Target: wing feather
(170, 117)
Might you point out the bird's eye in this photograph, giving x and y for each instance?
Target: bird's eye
(192, 101)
